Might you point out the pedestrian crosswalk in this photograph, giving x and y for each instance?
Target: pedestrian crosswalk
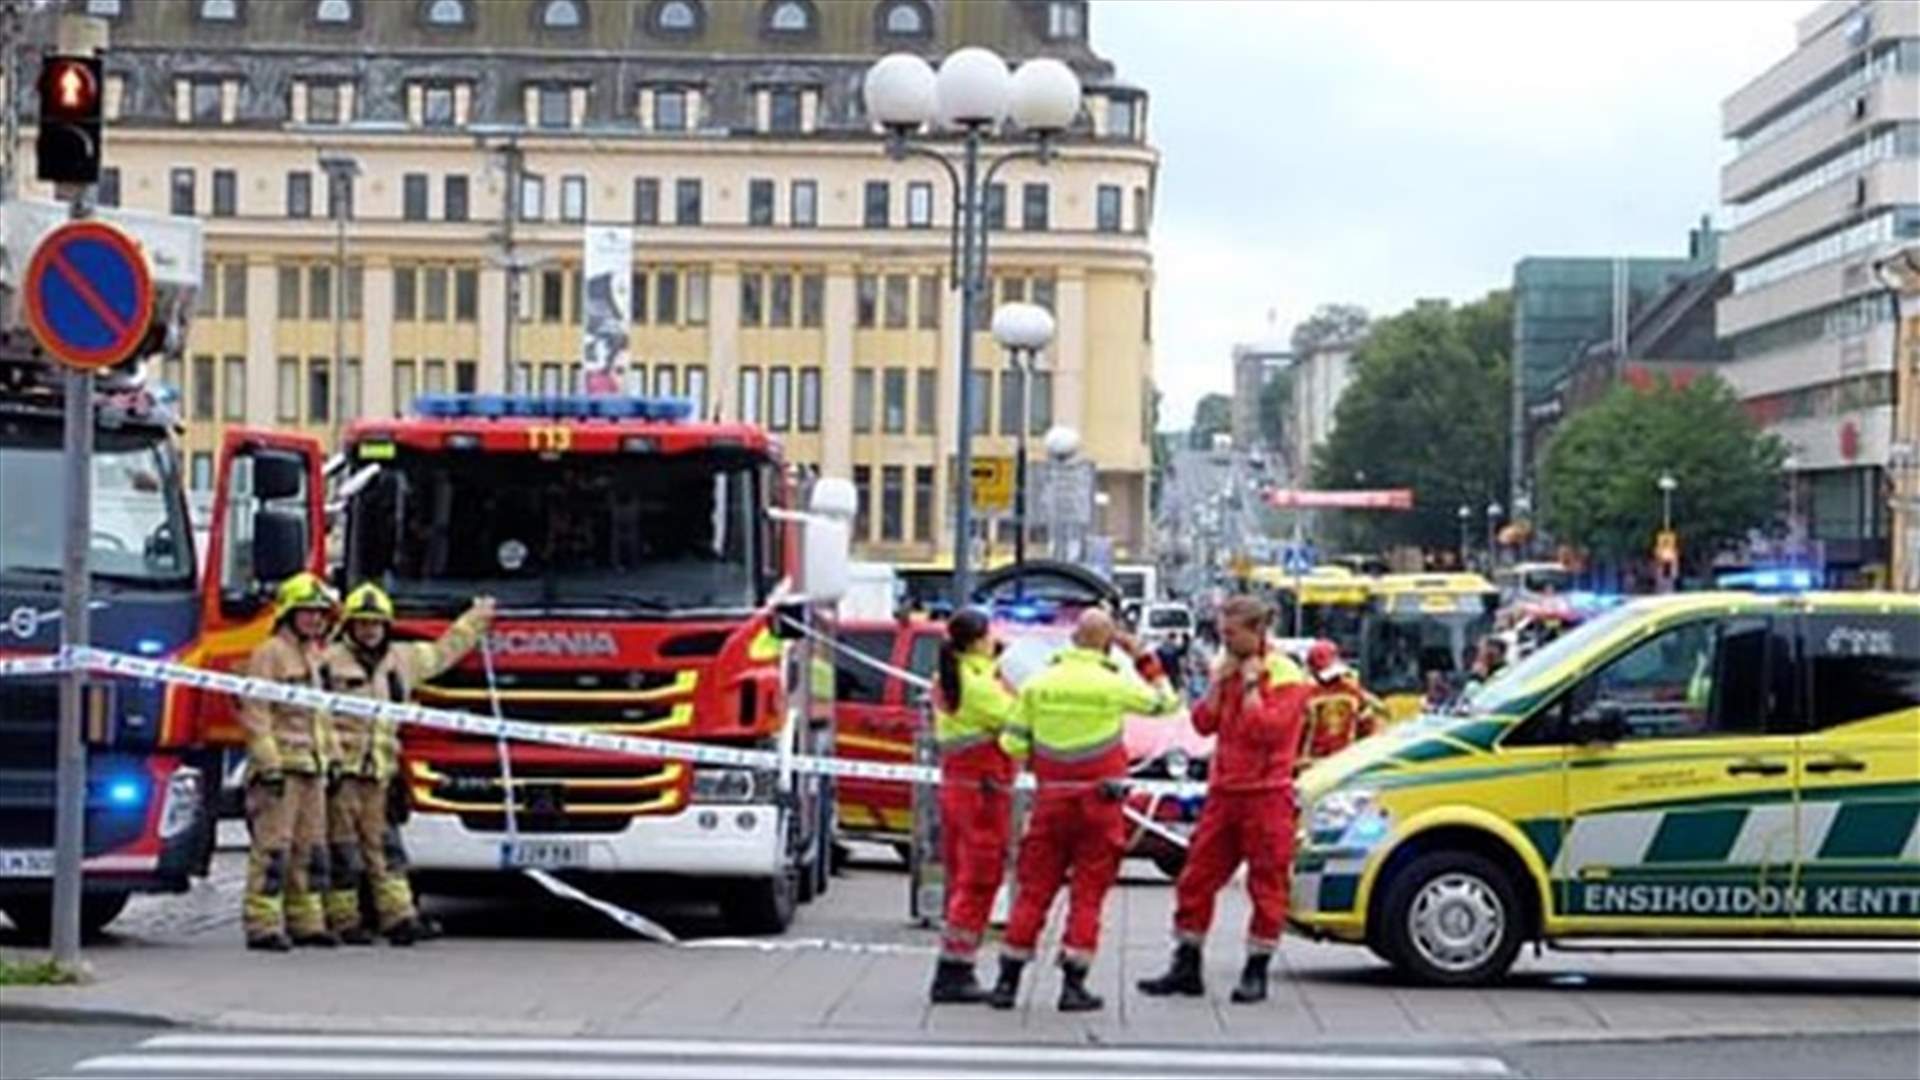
(269, 1055)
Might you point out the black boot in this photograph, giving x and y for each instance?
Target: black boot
(1007, 990)
(954, 984)
(1182, 978)
(355, 935)
(403, 933)
(428, 928)
(274, 942)
(1074, 995)
(324, 939)
(1253, 980)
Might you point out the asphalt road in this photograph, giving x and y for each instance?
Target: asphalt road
(45, 1049)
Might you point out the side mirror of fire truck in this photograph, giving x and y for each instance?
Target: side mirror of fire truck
(827, 559)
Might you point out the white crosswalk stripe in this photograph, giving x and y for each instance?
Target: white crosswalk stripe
(220, 1054)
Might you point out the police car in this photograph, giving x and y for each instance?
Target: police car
(1706, 765)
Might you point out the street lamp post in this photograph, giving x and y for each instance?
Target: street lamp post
(972, 92)
(340, 170)
(1465, 513)
(1667, 484)
(1023, 330)
(1493, 551)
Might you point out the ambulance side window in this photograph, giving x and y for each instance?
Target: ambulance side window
(1862, 666)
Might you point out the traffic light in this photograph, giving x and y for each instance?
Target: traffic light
(69, 144)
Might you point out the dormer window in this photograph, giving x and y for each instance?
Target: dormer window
(562, 15)
(333, 12)
(906, 19)
(218, 11)
(789, 17)
(677, 17)
(447, 13)
(1066, 20)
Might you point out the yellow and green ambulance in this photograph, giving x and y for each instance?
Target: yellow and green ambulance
(1703, 765)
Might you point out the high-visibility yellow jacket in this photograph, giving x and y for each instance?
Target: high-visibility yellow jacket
(371, 748)
(1073, 716)
(286, 738)
(968, 735)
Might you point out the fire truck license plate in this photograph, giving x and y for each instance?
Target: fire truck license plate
(29, 863)
(548, 854)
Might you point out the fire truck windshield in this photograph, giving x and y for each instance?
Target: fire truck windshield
(140, 531)
(585, 532)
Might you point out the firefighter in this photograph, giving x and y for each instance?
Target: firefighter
(291, 758)
(976, 802)
(366, 662)
(1340, 711)
(1253, 707)
(1072, 723)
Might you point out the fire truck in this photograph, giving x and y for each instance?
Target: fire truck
(647, 567)
(152, 768)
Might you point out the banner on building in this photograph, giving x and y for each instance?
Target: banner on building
(607, 305)
(1383, 499)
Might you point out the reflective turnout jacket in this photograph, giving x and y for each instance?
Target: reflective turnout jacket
(1339, 714)
(371, 748)
(969, 735)
(286, 738)
(1073, 716)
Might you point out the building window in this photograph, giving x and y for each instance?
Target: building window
(893, 401)
(1044, 291)
(466, 376)
(686, 202)
(750, 395)
(350, 388)
(789, 17)
(898, 293)
(862, 501)
(436, 107)
(1122, 118)
(225, 192)
(892, 502)
(323, 103)
(233, 290)
(553, 296)
(319, 390)
(555, 107)
(405, 293)
(206, 101)
(288, 278)
(981, 407)
(533, 198)
(202, 396)
(906, 19)
(1107, 208)
(877, 202)
(920, 204)
(333, 12)
(573, 198)
(750, 296)
(813, 299)
(1010, 402)
(108, 191)
(466, 294)
(996, 209)
(780, 398)
(646, 201)
(1033, 207)
(926, 400)
(446, 13)
(180, 192)
(233, 388)
(783, 110)
(433, 294)
(866, 300)
(637, 292)
(810, 399)
(562, 15)
(1141, 212)
(106, 9)
(339, 196)
(929, 302)
(1040, 404)
(666, 298)
(1066, 19)
(803, 203)
(454, 198)
(406, 386)
(320, 292)
(677, 17)
(433, 376)
(759, 202)
(219, 10)
(696, 386)
(669, 109)
(664, 383)
(286, 390)
(862, 400)
(923, 503)
(413, 197)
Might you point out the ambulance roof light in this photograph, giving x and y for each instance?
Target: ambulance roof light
(553, 407)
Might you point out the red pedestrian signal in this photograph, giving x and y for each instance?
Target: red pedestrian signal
(69, 144)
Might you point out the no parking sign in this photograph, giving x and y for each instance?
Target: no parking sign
(88, 295)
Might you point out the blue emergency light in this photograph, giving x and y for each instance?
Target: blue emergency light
(553, 407)
(123, 792)
(1775, 579)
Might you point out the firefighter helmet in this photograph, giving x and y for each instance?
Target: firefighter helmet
(1323, 659)
(302, 592)
(369, 601)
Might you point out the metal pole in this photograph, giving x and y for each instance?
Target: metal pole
(1020, 460)
(510, 213)
(13, 27)
(969, 300)
(339, 184)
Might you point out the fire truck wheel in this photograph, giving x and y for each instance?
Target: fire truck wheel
(33, 915)
(762, 906)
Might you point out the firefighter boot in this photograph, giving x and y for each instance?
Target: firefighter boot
(355, 935)
(1074, 995)
(1007, 989)
(404, 933)
(274, 942)
(322, 939)
(954, 984)
(1182, 978)
(1253, 980)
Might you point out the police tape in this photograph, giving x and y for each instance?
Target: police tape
(122, 665)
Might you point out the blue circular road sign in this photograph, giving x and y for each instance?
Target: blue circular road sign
(88, 294)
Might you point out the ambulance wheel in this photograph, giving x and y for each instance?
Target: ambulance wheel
(32, 916)
(1451, 918)
(762, 906)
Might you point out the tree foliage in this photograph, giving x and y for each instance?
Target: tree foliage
(1427, 409)
(1212, 415)
(1328, 323)
(1276, 408)
(1600, 475)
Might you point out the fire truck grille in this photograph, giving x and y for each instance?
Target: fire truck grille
(550, 798)
(562, 681)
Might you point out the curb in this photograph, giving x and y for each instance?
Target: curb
(13, 1012)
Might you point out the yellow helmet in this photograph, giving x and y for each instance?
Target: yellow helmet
(302, 591)
(369, 601)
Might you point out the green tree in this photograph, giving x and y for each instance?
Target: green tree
(1276, 408)
(1212, 415)
(1600, 475)
(1345, 323)
(1427, 409)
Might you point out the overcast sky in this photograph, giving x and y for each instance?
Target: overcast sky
(1378, 152)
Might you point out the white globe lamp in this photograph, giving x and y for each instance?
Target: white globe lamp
(1022, 327)
(1062, 442)
(972, 87)
(900, 92)
(1046, 96)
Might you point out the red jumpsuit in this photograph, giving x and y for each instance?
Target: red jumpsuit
(976, 804)
(1248, 816)
(1072, 722)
